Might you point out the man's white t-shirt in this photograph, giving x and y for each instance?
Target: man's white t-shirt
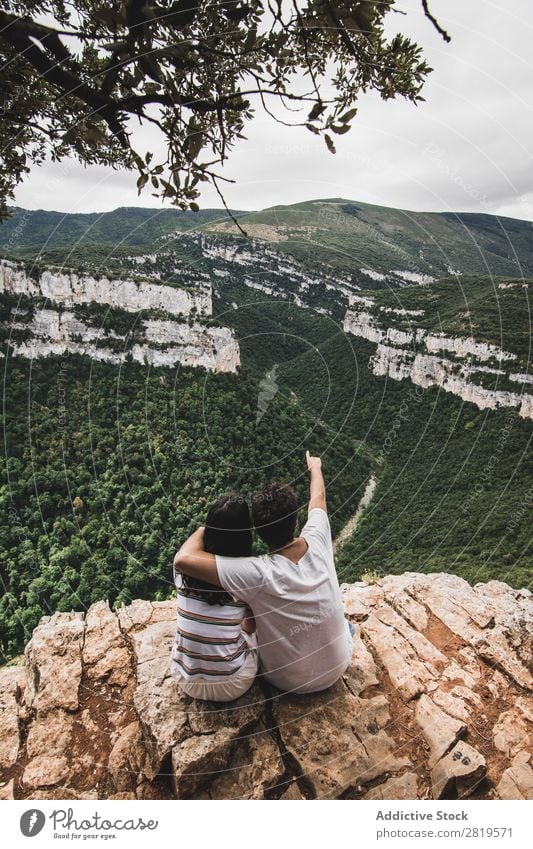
(304, 640)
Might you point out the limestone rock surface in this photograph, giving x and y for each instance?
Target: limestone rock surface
(436, 703)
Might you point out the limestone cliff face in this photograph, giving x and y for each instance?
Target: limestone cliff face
(275, 273)
(418, 355)
(166, 342)
(437, 702)
(162, 343)
(68, 288)
(425, 371)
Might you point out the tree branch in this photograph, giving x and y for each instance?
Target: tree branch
(341, 30)
(15, 32)
(434, 21)
(225, 205)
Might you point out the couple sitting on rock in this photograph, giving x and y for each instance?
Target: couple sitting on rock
(280, 612)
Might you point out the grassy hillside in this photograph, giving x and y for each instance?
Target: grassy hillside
(352, 235)
(345, 234)
(29, 232)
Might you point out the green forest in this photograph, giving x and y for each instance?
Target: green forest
(107, 470)
(454, 482)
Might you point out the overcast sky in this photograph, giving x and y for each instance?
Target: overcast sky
(467, 148)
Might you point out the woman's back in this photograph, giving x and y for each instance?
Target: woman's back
(210, 643)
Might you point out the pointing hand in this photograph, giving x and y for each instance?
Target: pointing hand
(313, 462)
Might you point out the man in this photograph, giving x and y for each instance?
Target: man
(304, 640)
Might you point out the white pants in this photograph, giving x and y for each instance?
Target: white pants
(229, 689)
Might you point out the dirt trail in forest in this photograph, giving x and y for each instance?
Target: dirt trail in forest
(353, 521)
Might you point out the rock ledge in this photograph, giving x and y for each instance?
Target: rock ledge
(437, 703)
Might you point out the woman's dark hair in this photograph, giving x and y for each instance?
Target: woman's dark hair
(228, 532)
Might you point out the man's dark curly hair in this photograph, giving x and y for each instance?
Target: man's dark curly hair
(275, 514)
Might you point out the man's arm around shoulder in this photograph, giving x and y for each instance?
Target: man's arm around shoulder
(193, 560)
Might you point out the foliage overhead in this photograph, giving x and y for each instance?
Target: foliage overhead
(79, 78)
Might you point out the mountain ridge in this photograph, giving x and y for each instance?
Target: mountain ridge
(15, 209)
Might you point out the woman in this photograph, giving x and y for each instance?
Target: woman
(214, 656)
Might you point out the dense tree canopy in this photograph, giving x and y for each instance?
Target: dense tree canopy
(78, 78)
(105, 472)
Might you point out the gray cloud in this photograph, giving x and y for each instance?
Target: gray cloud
(466, 148)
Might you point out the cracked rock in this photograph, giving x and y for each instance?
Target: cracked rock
(337, 740)
(197, 761)
(52, 684)
(9, 715)
(516, 782)
(401, 787)
(439, 728)
(458, 773)
(96, 714)
(44, 771)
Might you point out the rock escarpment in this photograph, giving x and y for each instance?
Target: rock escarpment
(436, 703)
(70, 288)
(428, 359)
(158, 342)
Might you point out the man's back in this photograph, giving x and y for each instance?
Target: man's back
(304, 642)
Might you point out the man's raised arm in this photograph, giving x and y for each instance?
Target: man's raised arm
(317, 487)
(192, 560)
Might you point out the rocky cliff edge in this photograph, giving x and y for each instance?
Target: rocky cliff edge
(437, 703)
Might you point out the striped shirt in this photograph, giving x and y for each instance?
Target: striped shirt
(209, 640)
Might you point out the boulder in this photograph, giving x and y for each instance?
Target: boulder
(516, 782)
(105, 651)
(439, 728)
(337, 739)
(401, 787)
(457, 774)
(6, 791)
(45, 771)
(10, 693)
(53, 684)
